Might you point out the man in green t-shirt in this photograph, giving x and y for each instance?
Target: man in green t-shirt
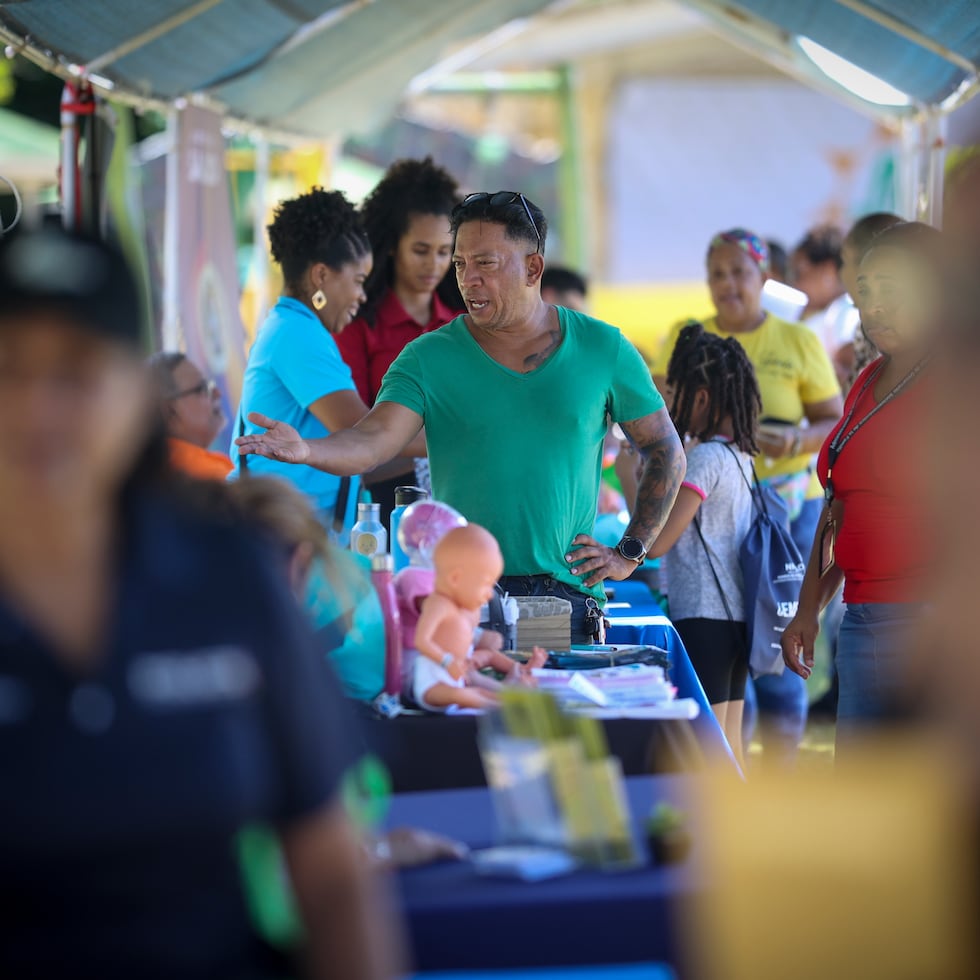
(515, 397)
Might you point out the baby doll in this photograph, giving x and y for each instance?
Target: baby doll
(467, 565)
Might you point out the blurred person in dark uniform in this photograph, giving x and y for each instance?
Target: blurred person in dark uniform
(159, 690)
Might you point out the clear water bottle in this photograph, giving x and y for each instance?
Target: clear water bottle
(368, 536)
(403, 497)
(382, 574)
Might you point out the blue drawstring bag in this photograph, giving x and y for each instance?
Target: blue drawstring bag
(772, 571)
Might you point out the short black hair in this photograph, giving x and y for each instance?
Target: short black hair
(705, 360)
(512, 216)
(319, 226)
(822, 244)
(778, 260)
(563, 280)
(409, 187)
(920, 242)
(864, 230)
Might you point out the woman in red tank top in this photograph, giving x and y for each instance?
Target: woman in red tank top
(872, 537)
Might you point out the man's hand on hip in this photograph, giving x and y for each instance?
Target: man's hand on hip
(594, 562)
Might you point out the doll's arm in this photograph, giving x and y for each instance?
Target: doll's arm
(436, 611)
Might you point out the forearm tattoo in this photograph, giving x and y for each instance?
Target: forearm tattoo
(664, 466)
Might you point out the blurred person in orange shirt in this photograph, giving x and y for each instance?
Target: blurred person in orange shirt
(193, 416)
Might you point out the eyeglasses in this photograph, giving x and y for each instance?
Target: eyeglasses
(207, 386)
(498, 199)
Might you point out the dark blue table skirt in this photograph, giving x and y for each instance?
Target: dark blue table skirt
(458, 919)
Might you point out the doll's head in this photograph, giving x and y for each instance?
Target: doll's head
(468, 563)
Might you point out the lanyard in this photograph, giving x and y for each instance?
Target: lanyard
(844, 436)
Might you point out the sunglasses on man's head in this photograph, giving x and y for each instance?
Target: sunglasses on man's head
(499, 199)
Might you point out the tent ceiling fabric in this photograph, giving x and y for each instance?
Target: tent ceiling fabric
(340, 79)
(926, 77)
(319, 68)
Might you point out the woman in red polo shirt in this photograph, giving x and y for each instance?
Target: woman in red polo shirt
(873, 535)
(408, 292)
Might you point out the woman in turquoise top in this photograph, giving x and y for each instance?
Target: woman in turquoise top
(295, 371)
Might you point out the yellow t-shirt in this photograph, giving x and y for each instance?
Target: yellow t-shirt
(793, 370)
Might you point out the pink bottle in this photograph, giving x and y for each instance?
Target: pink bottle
(382, 574)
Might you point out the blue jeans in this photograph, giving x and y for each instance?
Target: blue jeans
(782, 700)
(870, 657)
(585, 610)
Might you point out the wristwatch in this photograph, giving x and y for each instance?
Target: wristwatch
(632, 549)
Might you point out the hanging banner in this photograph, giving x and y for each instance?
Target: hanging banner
(203, 293)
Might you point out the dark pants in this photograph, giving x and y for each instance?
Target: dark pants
(586, 623)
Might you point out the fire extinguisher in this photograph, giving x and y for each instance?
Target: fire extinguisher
(77, 119)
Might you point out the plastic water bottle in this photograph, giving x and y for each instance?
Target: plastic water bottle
(403, 497)
(382, 575)
(368, 536)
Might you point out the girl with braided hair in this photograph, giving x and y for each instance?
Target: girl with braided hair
(410, 290)
(295, 372)
(715, 403)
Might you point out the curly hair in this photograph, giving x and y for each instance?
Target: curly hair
(720, 365)
(409, 187)
(319, 226)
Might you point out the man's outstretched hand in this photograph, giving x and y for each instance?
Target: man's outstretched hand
(279, 441)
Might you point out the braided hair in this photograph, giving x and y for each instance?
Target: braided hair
(319, 226)
(721, 366)
(409, 187)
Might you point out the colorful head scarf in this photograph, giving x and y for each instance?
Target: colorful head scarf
(753, 246)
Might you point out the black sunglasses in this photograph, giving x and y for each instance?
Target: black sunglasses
(498, 199)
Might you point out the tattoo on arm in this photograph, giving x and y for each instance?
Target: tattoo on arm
(664, 467)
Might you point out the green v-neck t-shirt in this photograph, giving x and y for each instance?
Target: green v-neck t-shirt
(521, 454)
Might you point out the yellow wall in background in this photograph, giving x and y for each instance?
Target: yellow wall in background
(645, 313)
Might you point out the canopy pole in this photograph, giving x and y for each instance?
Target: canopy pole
(171, 238)
(570, 190)
(934, 130)
(260, 265)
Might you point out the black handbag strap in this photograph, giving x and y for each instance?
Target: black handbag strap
(340, 508)
(242, 460)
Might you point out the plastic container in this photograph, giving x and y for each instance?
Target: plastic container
(368, 536)
(783, 301)
(382, 575)
(403, 497)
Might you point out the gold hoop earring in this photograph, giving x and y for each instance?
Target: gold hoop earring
(319, 299)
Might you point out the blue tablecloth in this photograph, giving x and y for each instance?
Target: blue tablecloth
(643, 622)
(458, 920)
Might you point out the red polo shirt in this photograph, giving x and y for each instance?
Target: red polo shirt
(881, 478)
(369, 350)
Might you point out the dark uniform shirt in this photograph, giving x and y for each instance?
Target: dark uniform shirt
(123, 789)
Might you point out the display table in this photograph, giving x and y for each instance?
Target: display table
(459, 920)
(433, 752)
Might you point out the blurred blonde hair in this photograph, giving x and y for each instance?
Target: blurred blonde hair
(281, 510)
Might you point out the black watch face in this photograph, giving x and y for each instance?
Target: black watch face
(631, 548)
